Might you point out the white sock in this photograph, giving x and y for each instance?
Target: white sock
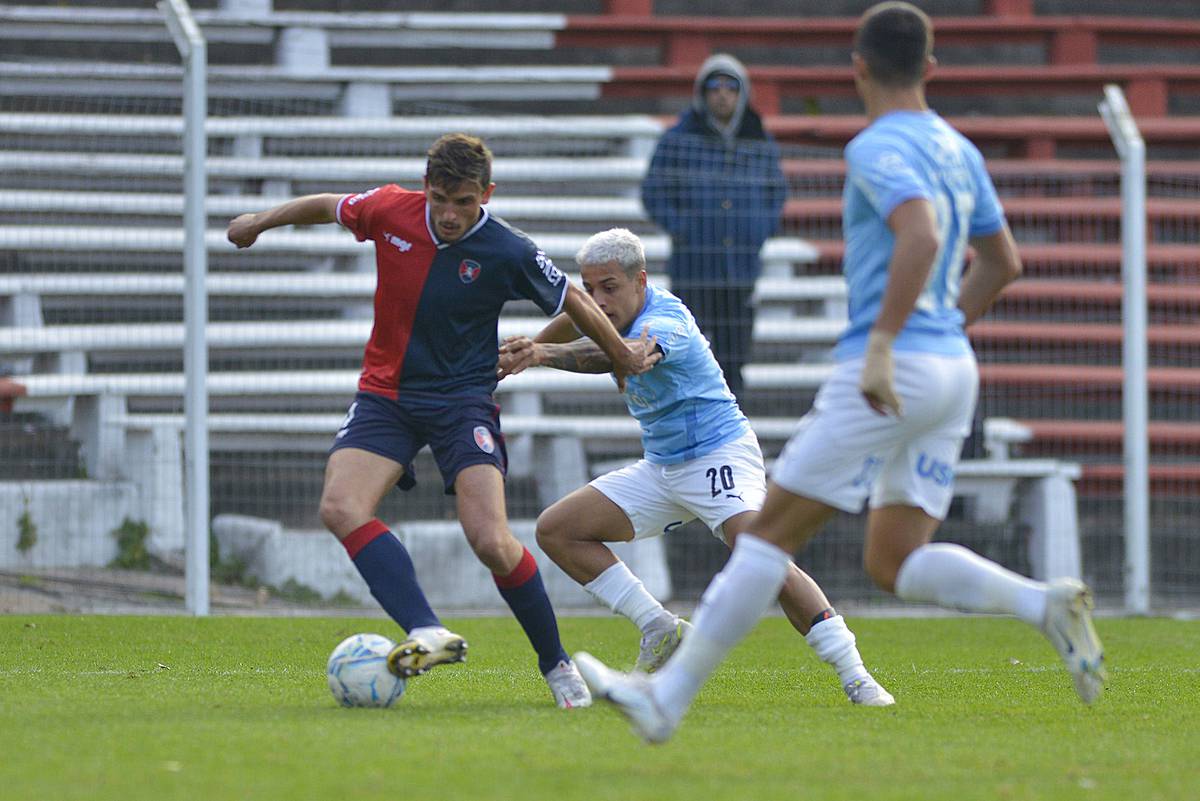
(952, 576)
(731, 606)
(622, 592)
(835, 644)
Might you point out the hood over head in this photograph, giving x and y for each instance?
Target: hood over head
(722, 64)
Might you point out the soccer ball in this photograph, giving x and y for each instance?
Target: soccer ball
(358, 673)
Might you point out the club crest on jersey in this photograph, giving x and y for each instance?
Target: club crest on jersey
(483, 438)
(468, 271)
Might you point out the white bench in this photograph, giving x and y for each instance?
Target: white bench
(359, 91)
(301, 40)
(360, 286)
(779, 255)
(633, 135)
(1042, 488)
(122, 337)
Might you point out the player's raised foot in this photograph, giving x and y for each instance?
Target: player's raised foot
(1068, 626)
(424, 648)
(567, 686)
(658, 645)
(868, 692)
(630, 694)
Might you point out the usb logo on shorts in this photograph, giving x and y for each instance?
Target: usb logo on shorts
(483, 438)
(936, 471)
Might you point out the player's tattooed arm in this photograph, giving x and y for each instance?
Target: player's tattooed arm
(579, 356)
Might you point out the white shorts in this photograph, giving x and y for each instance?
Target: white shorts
(843, 452)
(658, 498)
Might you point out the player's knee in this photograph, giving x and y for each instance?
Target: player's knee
(550, 531)
(492, 545)
(339, 514)
(881, 570)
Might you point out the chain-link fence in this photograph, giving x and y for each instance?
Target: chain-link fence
(746, 232)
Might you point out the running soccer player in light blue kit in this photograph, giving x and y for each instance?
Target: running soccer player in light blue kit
(888, 424)
(702, 460)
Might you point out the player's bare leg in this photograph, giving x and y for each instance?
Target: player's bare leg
(481, 510)
(572, 532)
(734, 601)
(810, 613)
(355, 482)
(901, 559)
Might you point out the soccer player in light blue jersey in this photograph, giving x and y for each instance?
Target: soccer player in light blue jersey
(701, 460)
(887, 426)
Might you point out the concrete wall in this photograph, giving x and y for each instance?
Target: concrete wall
(450, 575)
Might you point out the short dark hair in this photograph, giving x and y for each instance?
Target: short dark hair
(458, 158)
(895, 39)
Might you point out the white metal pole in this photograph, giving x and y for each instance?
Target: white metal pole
(194, 50)
(1135, 394)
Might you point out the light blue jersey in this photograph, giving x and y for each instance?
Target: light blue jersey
(901, 156)
(683, 404)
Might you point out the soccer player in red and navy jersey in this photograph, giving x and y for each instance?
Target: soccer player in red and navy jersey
(445, 269)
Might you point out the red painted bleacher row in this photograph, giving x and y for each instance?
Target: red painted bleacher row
(1070, 258)
(1096, 208)
(687, 41)
(1040, 137)
(1172, 436)
(1023, 170)
(1148, 87)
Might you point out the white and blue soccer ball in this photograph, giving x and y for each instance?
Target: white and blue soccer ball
(358, 673)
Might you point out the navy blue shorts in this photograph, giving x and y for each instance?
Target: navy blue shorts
(461, 430)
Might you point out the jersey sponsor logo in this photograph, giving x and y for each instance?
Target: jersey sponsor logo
(935, 470)
(402, 245)
(483, 438)
(361, 196)
(468, 271)
(552, 273)
(669, 527)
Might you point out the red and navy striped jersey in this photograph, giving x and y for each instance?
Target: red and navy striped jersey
(437, 304)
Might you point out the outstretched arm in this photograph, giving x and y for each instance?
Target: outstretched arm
(588, 318)
(244, 230)
(560, 329)
(580, 356)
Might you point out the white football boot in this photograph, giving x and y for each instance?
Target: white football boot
(630, 694)
(658, 645)
(868, 692)
(1068, 626)
(568, 687)
(424, 648)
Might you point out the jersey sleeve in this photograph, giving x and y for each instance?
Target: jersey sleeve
(669, 332)
(537, 279)
(882, 171)
(988, 216)
(358, 213)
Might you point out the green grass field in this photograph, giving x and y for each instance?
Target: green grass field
(237, 708)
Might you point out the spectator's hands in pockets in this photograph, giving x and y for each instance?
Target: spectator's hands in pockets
(243, 230)
(877, 382)
(516, 354)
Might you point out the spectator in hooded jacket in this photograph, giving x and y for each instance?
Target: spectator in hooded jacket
(716, 186)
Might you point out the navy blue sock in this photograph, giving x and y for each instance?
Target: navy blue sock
(388, 569)
(525, 594)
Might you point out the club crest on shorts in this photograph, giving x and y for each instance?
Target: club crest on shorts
(483, 438)
(468, 271)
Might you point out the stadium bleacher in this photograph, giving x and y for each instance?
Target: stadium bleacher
(309, 98)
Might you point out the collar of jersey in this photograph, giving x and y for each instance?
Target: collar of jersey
(483, 218)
